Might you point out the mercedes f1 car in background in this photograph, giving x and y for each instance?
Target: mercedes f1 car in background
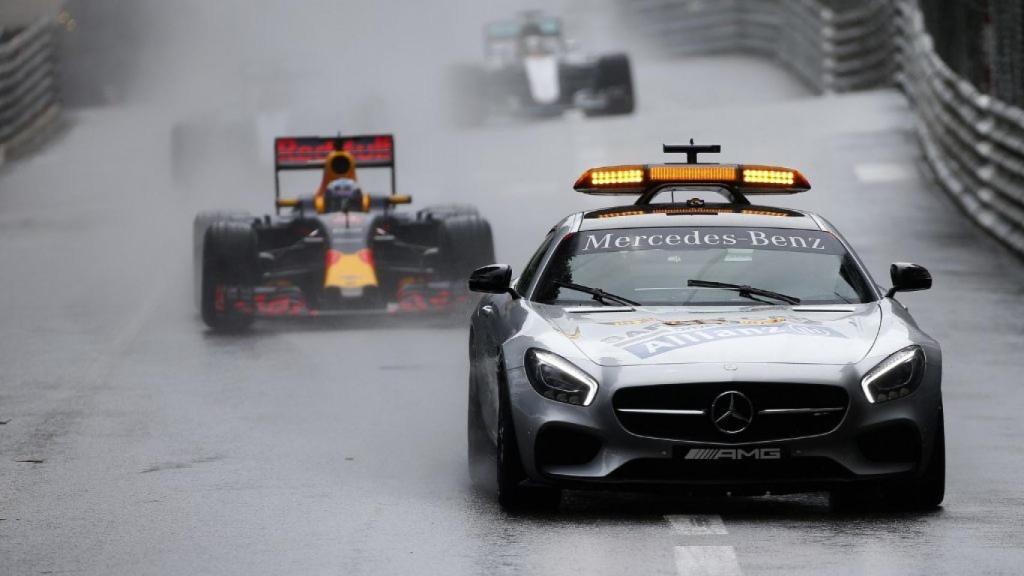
(338, 249)
(530, 70)
(703, 346)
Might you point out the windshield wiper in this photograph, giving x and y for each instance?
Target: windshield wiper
(745, 291)
(598, 294)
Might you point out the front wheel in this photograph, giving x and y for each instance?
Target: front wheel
(479, 448)
(200, 225)
(927, 491)
(229, 270)
(922, 493)
(512, 495)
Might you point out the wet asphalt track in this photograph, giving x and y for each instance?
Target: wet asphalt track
(135, 442)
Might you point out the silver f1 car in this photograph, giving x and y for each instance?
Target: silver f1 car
(530, 69)
(702, 346)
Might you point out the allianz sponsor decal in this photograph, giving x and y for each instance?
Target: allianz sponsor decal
(733, 454)
(659, 339)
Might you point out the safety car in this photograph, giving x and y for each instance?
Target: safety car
(696, 345)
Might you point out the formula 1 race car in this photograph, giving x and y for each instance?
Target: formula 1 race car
(703, 346)
(336, 250)
(530, 70)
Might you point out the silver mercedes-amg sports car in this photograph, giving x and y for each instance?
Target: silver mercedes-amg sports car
(697, 346)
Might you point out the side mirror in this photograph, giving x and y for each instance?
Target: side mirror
(493, 279)
(907, 277)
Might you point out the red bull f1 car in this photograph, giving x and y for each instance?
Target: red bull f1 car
(338, 249)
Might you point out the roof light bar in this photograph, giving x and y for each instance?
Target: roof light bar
(647, 180)
(616, 176)
(780, 177)
(712, 173)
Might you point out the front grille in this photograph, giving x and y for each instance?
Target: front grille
(682, 411)
(808, 470)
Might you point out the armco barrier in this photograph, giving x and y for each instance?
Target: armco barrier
(29, 91)
(834, 46)
(973, 142)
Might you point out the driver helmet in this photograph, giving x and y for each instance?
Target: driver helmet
(344, 188)
(345, 194)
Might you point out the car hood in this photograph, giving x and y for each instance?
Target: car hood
(671, 335)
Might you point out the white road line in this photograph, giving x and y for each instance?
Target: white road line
(875, 173)
(707, 561)
(697, 524)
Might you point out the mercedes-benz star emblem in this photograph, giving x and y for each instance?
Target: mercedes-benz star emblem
(732, 412)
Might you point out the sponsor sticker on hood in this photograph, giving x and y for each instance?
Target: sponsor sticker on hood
(662, 337)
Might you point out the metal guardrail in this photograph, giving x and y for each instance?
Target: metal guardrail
(29, 89)
(974, 143)
(833, 45)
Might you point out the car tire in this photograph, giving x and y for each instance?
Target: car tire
(466, 241)
(922, 493)
(512, 494)
(229, 262)
(200, 224)
(614, 75)
(926, 491)
(479, 448)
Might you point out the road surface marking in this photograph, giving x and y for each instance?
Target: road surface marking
(876, 173)
(707, 561)
(697, 524)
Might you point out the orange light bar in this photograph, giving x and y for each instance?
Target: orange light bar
(693, 173)
(631, 175)
(781, 177)
(773, 177)
(741, 179)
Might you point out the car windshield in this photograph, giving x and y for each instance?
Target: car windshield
(653, 267)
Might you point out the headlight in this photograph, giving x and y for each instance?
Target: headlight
(557, 379)
(895, 377)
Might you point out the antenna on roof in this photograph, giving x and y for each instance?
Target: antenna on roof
(691, 150)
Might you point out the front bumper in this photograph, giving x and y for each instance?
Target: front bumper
(588, 447)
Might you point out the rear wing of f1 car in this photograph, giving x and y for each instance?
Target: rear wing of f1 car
(310, 153)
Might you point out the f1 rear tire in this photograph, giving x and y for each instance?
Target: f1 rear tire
(614, 79)
(229, 272)
(466, 241)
